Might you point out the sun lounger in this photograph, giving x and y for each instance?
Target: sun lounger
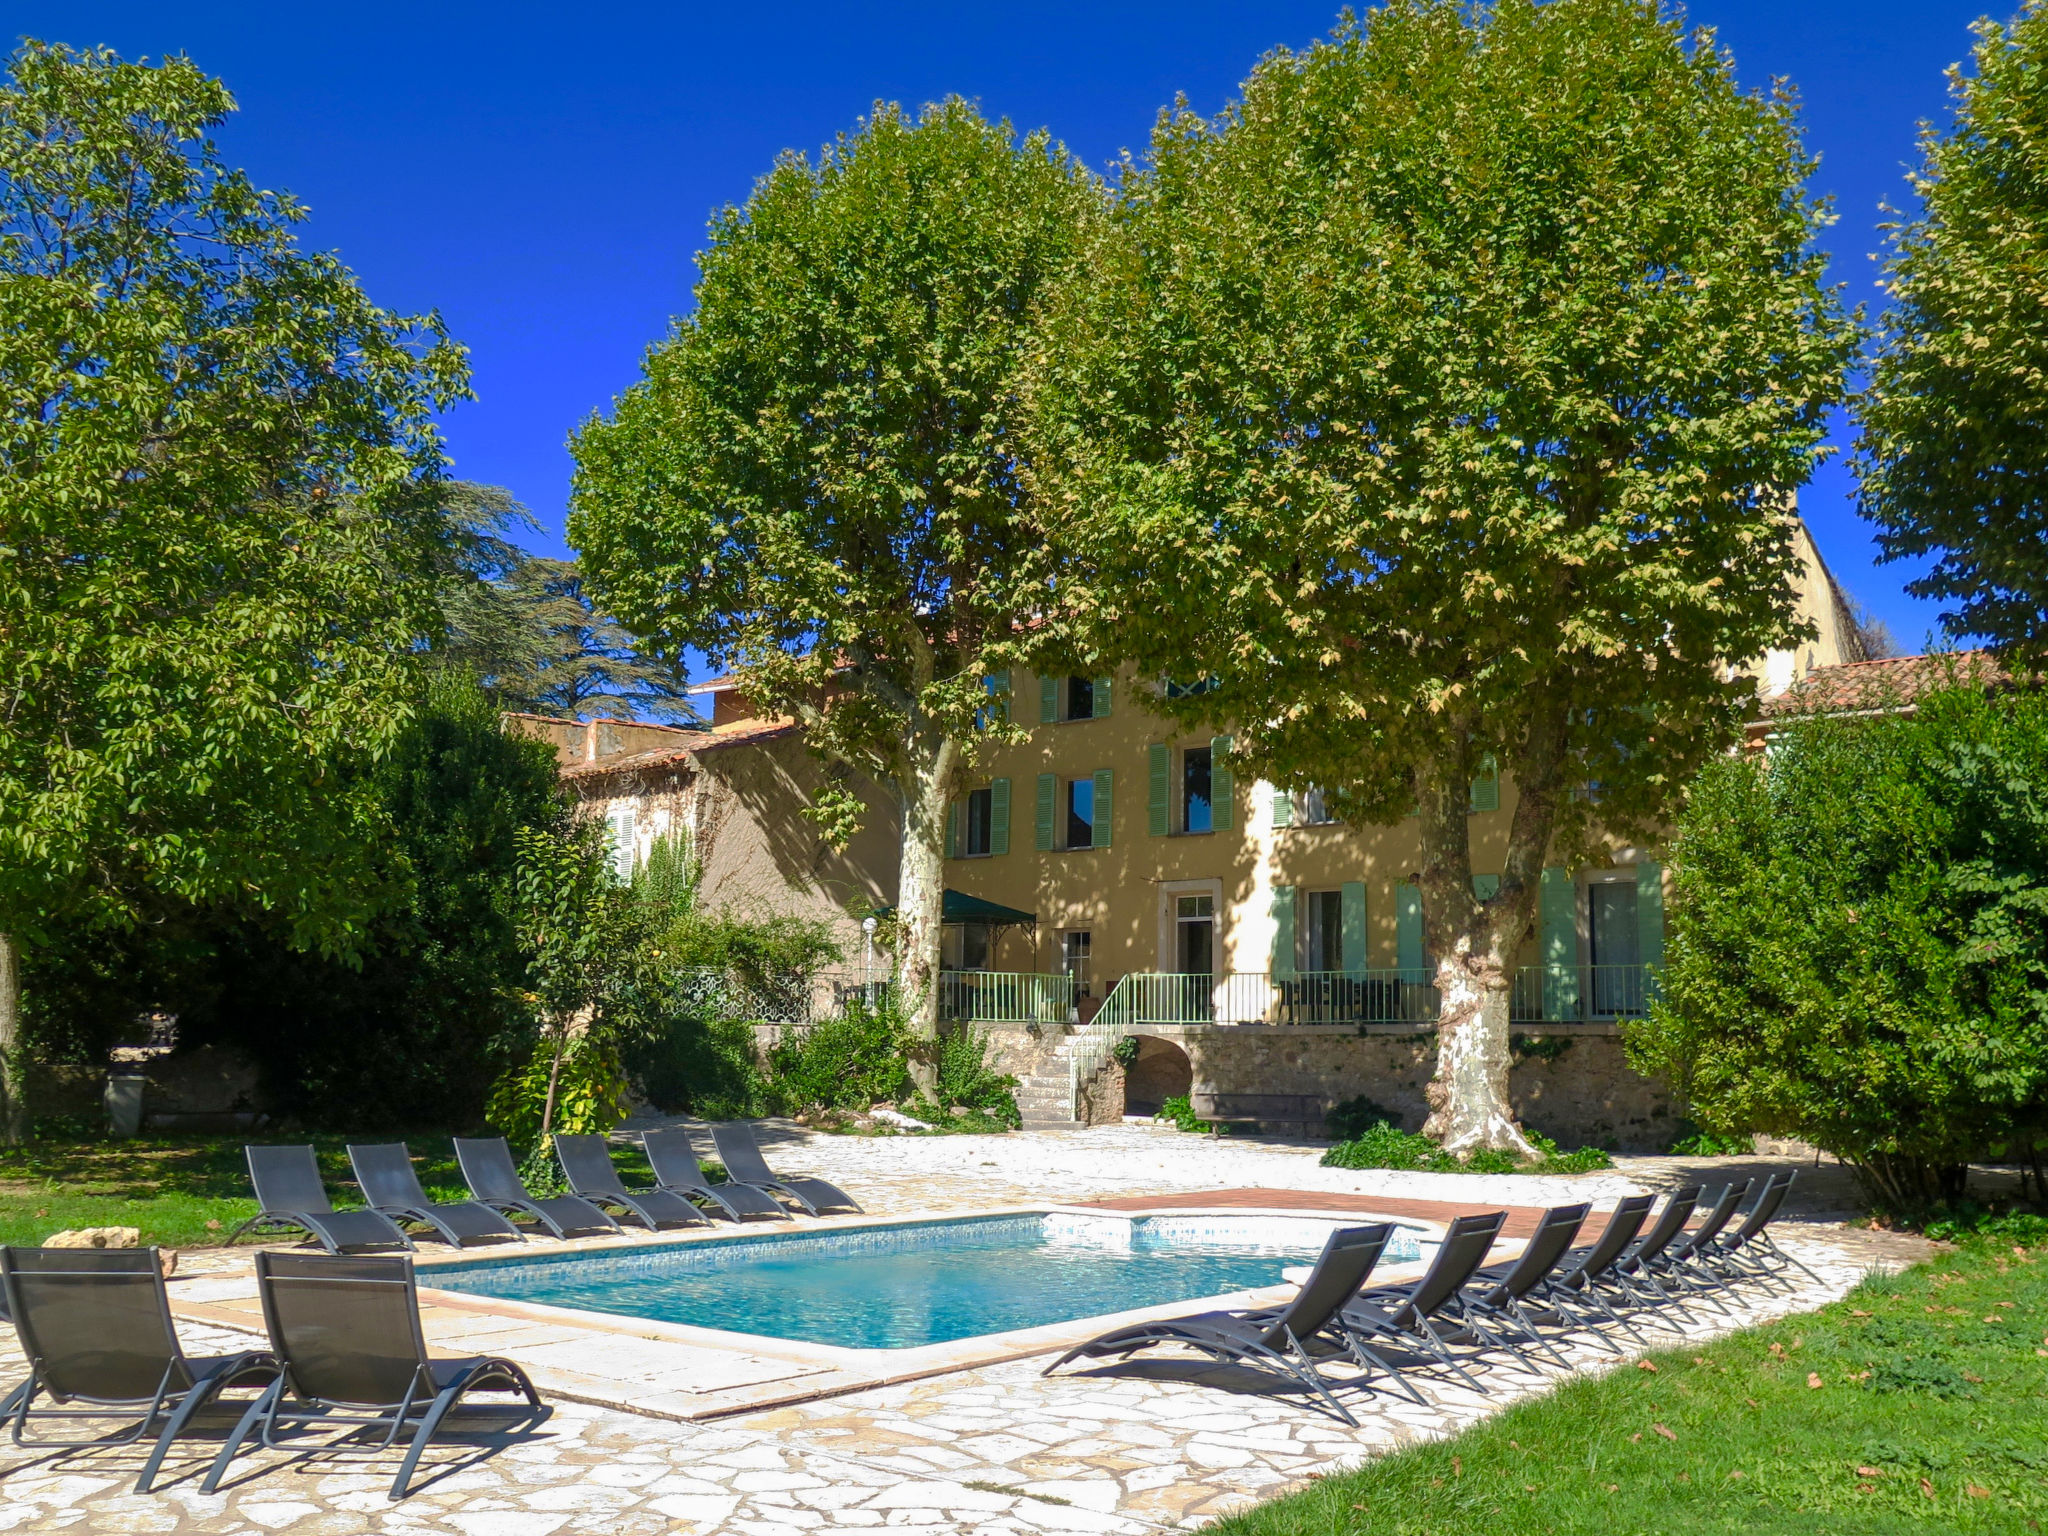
(292, 1198)
(587, 1162)
(1573, 1290)
(347, 1332)
(384, 1171)
(1495, 1296)
(744, 1164)
(1748, 1252)
(1632, 1276)
(488, 1169)
(95, 1324)
(1275, 1340)
(676, 1168)
(1406, 1318)
(1680, 1263)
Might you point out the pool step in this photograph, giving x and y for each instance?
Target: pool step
(1042, 1098)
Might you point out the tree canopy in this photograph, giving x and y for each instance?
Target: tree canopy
(1442, 401)
(817, 483)
(1954, 453)
(216, 573)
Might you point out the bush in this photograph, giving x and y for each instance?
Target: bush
(967, 1079)
(1178, 1112)
(1858, 947)
(848, 1062)
(691, 1060)
(1386, 1145)
(1354, 1117)
(1698, 1143)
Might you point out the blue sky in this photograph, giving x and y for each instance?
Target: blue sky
(543, 174)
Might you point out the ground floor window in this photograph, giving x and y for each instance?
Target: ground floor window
(1614, 946)
(1323, 932)
(1074, 947)
(965, 946)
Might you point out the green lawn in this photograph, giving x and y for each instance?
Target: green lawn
(192, 1191)
(1920, 1403)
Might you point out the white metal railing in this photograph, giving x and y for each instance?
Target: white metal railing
(1006, 997)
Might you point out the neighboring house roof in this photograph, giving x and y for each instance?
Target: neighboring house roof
(1876, 687)
(736, 734)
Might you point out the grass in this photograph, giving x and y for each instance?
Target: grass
(192, 1191)
(1917, 1404)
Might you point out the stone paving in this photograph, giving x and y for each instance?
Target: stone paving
(1164, 1443)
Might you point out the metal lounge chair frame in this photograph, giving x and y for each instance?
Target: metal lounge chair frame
(1748, 1252)
(488, 1169)
(1276, 1339)
(1631, 1274)
(346, 1331)
(1680, 1263)
(745, 1165)
(677, 1170)
(1405, 1318)
(292, 1198)
(1495, 1295)
(1574, 1292)
(587, 1164)
(385, 1173)
(95, 1324)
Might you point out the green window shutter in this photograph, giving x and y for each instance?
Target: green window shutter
(998, 815)
(1650, 913)
(1283, 931)
(1048, 700)
(1486, 887)
(1159, 789)
(1486, 788)
(999, 686)
(1101, 697)
(1408, 932)
(953, 829)
(1048, 809)
(1105, 804)
(1558, 930)
(1352, 900)
(1283, 808)
(1222, 786)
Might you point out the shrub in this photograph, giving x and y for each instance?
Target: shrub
(1386, 1145)
(1857, 953)
(1352, 1118)
(590, 1094)
(1699, 1143)
(847, 1062)
(966, 1078)
(1178, 1112)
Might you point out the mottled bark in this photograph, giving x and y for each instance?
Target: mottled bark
(13, 1107)
(932, 760)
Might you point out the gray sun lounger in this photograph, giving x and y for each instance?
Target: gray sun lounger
(1748, 1252)
(384, 1171)
(1573, 1290)
(488, 1169)
(347, 1331)
(1495, 1296)
(95, 1324)
(676, 1168)
(1405, 1319)
(1275, 1340)
(291, 1197)
(587, 1163)
(1680, 1264)
(1632, 1276)
(744, 1164)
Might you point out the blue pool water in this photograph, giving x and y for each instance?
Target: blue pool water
(922, 1283)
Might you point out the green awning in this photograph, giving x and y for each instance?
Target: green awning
(959, 907)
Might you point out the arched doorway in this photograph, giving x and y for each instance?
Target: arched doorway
(1159, 1072)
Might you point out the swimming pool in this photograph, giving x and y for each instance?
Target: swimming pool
(916, 1283)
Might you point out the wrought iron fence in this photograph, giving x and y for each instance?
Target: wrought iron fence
(1006, 997)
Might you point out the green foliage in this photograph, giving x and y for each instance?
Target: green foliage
(1949, 1399)
(218, 561)
(850, 1061)
(1969, 1221)
(1180, 1114)
(1858, 949)
(523, 626)
(1386, 1145)
(1383, 1144)
(1354, 1117)
(589, 1094)
(1698, 1143)
(966, 1078)
(1437, 401)
(1953, 460)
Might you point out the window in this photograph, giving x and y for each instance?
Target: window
(1323, 946)
(1080, 813)
(1194, 919)
(1080, 698)
(964, 946)
(1189, 690)
(1315, 807)
(1197, 811)
(1074, 946)
(980, 823)
(620, 822)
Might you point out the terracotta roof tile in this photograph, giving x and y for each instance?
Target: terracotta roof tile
(1894, 682)
(738, 733)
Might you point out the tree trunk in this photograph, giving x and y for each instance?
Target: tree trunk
(1475, 942)
(547, 1109)
(920, 897)
(13, 1098)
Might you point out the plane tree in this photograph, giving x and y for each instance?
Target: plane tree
(817, 483)
(1441, 402)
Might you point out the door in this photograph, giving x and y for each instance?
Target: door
(1617, 968)
(1194, 921)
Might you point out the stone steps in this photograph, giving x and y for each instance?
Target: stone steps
(1042, 1098)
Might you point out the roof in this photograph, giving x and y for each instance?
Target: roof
(738, 733)
(1873, 687)
(959, 907)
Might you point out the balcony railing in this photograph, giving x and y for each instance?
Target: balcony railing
(1539, 994)
(1006, 997)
